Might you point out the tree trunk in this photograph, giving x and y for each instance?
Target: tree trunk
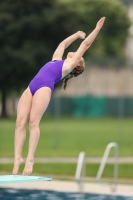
(3, 104)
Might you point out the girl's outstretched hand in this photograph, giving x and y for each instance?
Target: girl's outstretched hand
(81, 34)
(100, 23)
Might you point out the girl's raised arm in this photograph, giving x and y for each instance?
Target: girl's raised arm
(87, 42)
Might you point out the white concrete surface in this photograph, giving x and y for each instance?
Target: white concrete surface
(71, 186)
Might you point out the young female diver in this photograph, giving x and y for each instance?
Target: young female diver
(36, 97)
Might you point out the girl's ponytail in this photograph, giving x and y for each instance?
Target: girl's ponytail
(66, 80)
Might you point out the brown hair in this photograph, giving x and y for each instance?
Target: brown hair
(74, 73)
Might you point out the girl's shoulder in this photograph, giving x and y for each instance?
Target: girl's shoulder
(67, 66)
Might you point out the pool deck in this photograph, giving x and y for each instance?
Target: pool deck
(71, 186)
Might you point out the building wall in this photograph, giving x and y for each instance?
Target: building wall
(107, 81)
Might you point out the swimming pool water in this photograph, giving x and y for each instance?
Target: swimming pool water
(23, 194)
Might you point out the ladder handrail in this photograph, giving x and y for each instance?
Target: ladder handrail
(104, 161)
(80, 166)
(80, 174)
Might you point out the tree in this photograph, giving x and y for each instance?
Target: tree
(112, 39)
(27, 37)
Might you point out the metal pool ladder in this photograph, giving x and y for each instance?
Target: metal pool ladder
(80, 173)
(104, 161)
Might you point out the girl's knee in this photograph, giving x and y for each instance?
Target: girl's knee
(33, 123)
(20, 123)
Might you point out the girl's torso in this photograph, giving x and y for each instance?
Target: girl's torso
(48, 75)
(51, 71)
(54, 70)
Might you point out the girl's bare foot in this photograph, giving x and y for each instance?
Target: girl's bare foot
(17, 162)
(28, 166)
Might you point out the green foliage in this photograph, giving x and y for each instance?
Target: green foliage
(30, 32)
(112, 38)
(27, 40)
(24, 25)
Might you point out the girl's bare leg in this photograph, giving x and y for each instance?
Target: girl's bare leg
(39, 104)
(23, 111)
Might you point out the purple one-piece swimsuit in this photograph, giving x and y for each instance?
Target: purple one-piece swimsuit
(47, 76)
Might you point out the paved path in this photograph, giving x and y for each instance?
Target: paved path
(71, 159)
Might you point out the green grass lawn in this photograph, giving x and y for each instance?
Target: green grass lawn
(68, 136)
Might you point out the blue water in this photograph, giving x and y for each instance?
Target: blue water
(23, 194)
